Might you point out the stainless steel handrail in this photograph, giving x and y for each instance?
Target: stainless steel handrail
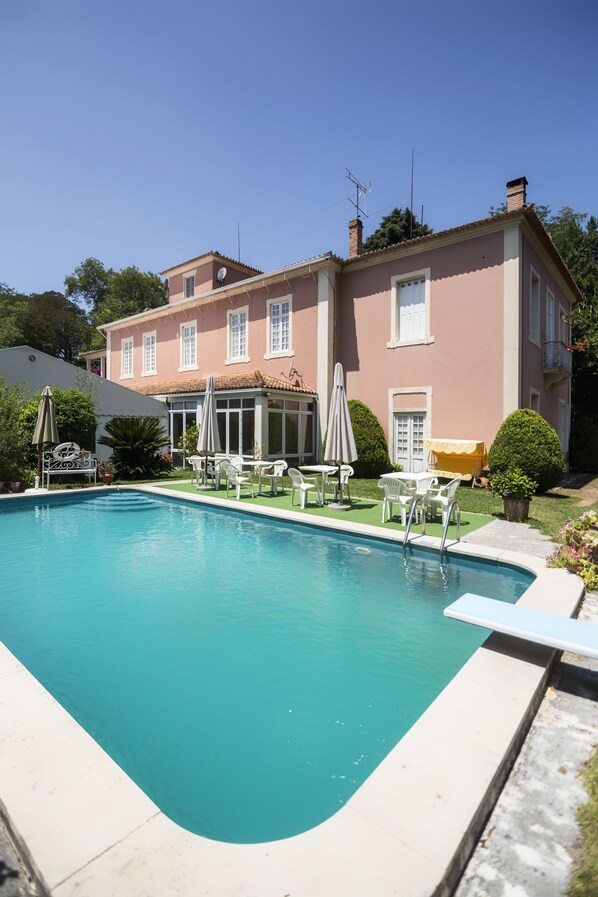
(453, 506)
(418, 498)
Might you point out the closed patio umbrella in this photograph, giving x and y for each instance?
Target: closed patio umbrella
(340, 442)
(208, 440)
(45, 432)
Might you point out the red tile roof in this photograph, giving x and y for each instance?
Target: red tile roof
(248, 380)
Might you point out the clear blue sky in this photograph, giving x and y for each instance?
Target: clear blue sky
(142, 132)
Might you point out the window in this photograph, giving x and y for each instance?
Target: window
(149, 353)
(236, 425)
(189, 346)
(237, 335)
(291, 429)
(549, 316)
(534, 308)
(410, 309)
(279, 327)
(534, 399)
(126, 357)
(189, 282)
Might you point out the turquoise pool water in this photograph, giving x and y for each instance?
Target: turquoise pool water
(248, 675)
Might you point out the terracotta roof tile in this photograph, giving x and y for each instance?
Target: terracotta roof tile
(247, 380)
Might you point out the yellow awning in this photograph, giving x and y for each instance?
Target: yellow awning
(455, 446)
(456, 458)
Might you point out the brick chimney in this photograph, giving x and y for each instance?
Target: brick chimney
(516, 194)
(355, 237)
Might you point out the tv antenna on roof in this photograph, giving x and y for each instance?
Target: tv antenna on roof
(360, 187)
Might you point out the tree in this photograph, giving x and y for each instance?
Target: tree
(13, 442)
(45, 321)
(75, 418)
(397, 227)
(89, 283)
(131, 291)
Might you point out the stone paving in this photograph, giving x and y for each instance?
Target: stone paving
(528, 844)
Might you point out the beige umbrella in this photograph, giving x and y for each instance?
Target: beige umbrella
(208, 440)
(340, 442)
(45, 432)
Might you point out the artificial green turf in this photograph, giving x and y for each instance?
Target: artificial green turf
(362, 511)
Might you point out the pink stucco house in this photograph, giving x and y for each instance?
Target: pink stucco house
(442, 337)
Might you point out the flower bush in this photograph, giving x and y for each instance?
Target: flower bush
(512, 483)
(105, 467)
(578, 552)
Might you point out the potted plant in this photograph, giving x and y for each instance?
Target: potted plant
(516, 490)
(106, 472)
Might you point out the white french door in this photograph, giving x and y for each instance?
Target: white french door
(409, 440)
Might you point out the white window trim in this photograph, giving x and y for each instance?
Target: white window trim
(408, 390)
(533, 337)
(190, 367)
(395, 282)
(123, 376)
(286, 353)
(144, 372)
(550, 295)
(563, 317)
(239, 359)
(186, 276)
(534, 392)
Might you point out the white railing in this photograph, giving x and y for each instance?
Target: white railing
(557, 358)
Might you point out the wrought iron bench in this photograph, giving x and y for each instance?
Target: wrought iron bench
(68, 459)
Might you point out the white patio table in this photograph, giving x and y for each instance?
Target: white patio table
(322, 470)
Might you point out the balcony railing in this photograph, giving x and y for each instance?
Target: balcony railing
(557, 363)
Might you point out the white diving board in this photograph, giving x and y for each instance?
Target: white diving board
(538, 626)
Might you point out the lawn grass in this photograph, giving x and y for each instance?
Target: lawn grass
(584, 880)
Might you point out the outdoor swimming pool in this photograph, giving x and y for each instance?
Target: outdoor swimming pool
(247, 674)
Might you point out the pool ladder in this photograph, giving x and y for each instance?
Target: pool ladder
(454, 506)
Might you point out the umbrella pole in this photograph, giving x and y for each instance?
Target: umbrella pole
(39, 460)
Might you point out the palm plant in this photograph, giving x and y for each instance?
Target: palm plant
(135, 444)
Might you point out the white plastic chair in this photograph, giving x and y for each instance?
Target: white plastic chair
(346, 472)
(235, 478)
(275, 474)
(303, 485)
(422, 485)
(441, 498)
(396, 492)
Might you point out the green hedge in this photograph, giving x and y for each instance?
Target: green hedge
(526, 440)
(370, 442)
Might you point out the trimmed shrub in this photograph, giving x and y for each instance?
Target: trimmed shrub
(370, 442)
(583, 445)
(136, 444)
(526, 440)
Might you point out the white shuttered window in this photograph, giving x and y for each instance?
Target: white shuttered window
(411, 308)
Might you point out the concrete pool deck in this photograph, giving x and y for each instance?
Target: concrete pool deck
(407, 831)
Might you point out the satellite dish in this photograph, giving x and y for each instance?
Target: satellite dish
(221, 274)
